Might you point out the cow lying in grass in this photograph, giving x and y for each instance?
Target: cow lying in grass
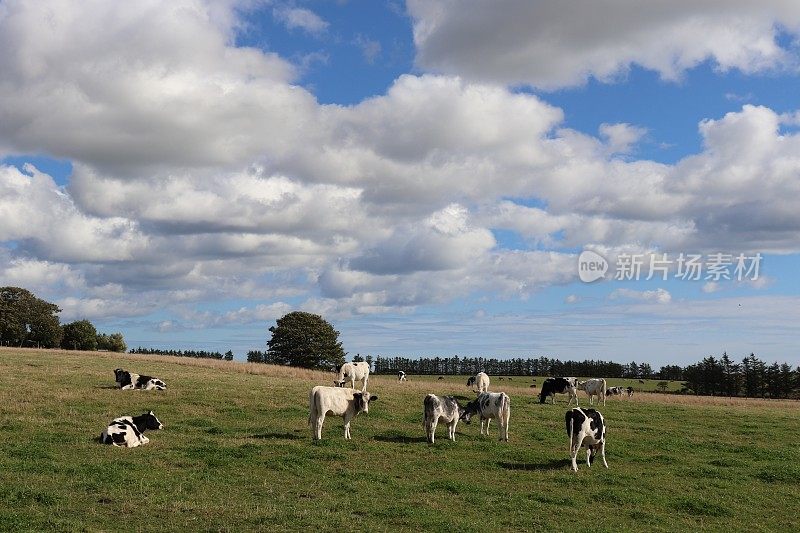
(129, 431)
(343, 402)
(129, 380)
(490, 405)
(586, 428)
(445, 409)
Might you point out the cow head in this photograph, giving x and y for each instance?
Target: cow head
(465, 413)
(118, 373)
(471, 381)
(361, 400)
(337, 383)
(151, 422)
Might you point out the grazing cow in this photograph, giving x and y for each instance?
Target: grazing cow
(490, 405)
(586, 428)
(533, 386)
(337, 401)
(440, 378)
(629, 390)
(129, 380)
(641, 381)
(471, 381)
(401, 376)
(614, 391)
(353, 372)
(445, 409)
(553, 386)
(594, 387)
(129, 431)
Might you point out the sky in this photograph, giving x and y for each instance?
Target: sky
(427, 175)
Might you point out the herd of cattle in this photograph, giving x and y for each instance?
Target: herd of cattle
(586, 428)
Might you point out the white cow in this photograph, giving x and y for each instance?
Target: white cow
(586, 428)
(594, 387)
(482, 381)
(490, 405)
(445, 409)
(338, 402)
(353, 372)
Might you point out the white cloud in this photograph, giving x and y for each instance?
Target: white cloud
(550, 44)
(661, 296)
(300, 18)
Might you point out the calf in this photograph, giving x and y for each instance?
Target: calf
(594, 387)
(586, 428)
(401, 376)
(614, 391)
(629, 390)
(129, 431)
(353, 372)
(337, 401)
(490, 405)
(445, 409)
(553, 386)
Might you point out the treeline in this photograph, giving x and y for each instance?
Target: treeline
(29, 321)
(752, 378)
(197, 354)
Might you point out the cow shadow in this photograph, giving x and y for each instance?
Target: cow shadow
(399, 439)
(106, 387)
(276, 436)
(554, 464)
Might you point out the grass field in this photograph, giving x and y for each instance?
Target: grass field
(236, 455)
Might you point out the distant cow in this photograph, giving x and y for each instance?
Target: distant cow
(629, 390)
(129, 431)
(586, 428)
(337, 401)
(641, 381)
(440, 378)
(482, 382)
(594, 387)
(614, 391)
(401, 376)
(471, 381)
(490, 405)
(352, 372)
(445, 409)
(129, 380)
(553, 386)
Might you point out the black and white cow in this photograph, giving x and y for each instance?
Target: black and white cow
(490, 405)
(614, 391)
(586, 428)
(629, 390)
(471, 381)
(441, 409)
(553, 386)
(128, 431)
(130, 380)
(401, 376)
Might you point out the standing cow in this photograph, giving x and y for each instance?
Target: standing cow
(586, 428)
(490, 405)
(553, 386)
(445, 409)
(401, 376)
(337, 401)
(479, 380)
(594, 387)
(353, 372)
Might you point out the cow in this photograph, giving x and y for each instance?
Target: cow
(586, 428)
(482, 382)
(614, 391)
(128, 431)
(594, 387)
(445, 409)
(629, 390)
(129, 380)
(490, 405)
(440, 378)
(471, 381)
(553, 386)
(353, 372)
(338, 402)
(401, 376)
(641, 381)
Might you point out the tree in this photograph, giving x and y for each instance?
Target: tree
(79, 335)
(26, 320)
(228, 356)
(305, 340)
(113, 343)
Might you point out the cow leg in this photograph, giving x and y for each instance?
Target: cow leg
(432, 430)
(484, 428)
(603, 452)
(452, 429)
(573, 454)
(364, 387)
(318, 426)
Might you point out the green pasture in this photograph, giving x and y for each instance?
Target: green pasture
(236, 455)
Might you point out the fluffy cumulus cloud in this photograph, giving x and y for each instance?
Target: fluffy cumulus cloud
(203, 173)
(549, 44)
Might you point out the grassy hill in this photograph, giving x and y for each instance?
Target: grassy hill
(236, 454)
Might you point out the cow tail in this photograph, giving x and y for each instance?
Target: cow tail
(312, 409)
(604, 388)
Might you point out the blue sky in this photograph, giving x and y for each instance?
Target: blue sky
(423, 174)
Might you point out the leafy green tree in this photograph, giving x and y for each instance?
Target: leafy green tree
(305, 340)
(228, 356)
(113, 343)
(79, 335)
(26, 320)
